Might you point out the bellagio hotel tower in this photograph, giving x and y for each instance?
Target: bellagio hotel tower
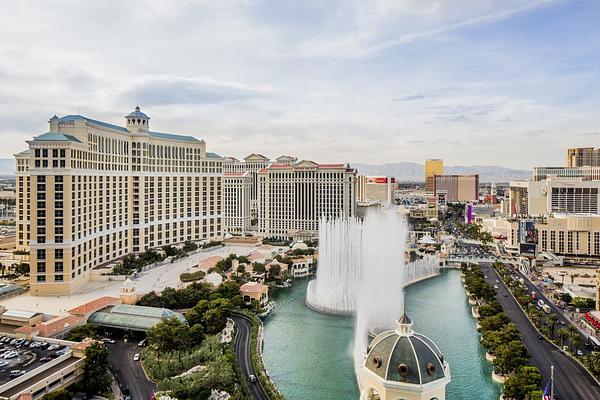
(90, 192)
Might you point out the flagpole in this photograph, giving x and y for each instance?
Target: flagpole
(552, 382)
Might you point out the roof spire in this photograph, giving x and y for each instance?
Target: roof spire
(404, 326)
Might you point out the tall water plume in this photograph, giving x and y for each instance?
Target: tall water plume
(362, 272)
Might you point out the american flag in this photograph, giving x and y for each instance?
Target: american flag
(548, 391)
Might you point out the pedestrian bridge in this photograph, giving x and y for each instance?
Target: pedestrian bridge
(457, 259)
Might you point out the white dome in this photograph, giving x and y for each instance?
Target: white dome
(300, 245)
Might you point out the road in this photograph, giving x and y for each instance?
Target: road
(129, 373)
(555, 309)
(572, 382)
(244, 357)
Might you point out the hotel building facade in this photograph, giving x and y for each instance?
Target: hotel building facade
(433, 167)
(457, 188)
(292, 197)
(237, 187)
(90, 192)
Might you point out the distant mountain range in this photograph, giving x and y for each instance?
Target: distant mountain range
(413, 172)
(403, 171)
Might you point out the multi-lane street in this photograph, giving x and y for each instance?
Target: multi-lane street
(242, 351)
(572, 381)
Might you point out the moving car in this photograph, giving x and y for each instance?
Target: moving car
(252, 378)
(136, 357)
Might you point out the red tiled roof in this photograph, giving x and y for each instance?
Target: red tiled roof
(95, 305)
(234, 174)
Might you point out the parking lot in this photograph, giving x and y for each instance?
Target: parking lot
(19, 356)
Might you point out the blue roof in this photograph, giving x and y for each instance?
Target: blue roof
(137, 114)
(93, 121)
(170, 136)
(55, 137)
(213, 155)
(157, 135)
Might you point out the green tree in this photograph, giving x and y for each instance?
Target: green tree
(494, 322)
(170, 334)
(81, 332)
(95, 369)
(562, 334)
(258, 268)
(523, 384)
(551, 321)
(61, 394)
(509, 357)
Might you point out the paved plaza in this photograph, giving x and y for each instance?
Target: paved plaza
(155, 279)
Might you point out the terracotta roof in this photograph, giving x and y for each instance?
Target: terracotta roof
(95, 305)
(59, 324)
(253, 287)
(209, 262)
(234, 174)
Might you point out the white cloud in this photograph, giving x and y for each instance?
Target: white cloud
(372, 81)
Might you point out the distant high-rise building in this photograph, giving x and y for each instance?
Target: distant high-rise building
(433, 167)
(457, 188)
(583, 157)
(375, 188)
(292, 198)
(90, 192)
(539, 198)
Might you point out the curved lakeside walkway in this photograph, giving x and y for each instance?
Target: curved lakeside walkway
(308, 354)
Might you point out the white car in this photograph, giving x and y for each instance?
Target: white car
(10, 354)
(136, 357)
(3, 364)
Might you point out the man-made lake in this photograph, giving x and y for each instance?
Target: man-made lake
(308, 354)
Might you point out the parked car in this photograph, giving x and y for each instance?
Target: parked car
(3, 364)
(143, 343)
(53, 355)
(52, 347)
(10, 354)
(16, 373)
(107, 340)
(45, 359)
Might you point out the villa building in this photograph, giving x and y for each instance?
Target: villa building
(90, 192)
(293, 197)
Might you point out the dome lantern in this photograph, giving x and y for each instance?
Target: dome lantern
(137, 121)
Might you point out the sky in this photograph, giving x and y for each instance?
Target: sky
(475, 82)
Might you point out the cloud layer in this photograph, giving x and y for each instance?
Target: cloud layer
(510, 82)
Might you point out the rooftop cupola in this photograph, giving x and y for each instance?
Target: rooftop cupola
(137, 121)
(53, 124)
(404, 326)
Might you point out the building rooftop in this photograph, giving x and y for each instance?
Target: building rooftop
(401, 355)
(94, 305)
(156, 135)
(55, 137)
(132, 317)
(20, 314)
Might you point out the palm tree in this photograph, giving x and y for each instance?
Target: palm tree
(552, 320)
(573, 335)
(562, 333)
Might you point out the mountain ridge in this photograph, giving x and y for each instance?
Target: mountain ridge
(413, 172)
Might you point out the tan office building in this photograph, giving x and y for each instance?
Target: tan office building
(433, 167)
(292, 198)
(457, 188)
(90, 192)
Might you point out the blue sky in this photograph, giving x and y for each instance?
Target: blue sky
(474, 82)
